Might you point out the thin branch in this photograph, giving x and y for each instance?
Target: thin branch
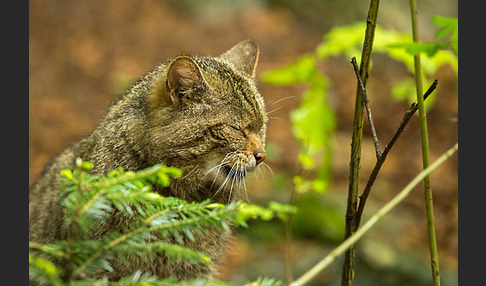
(354, 164)
(368, 109)
(309, 275)
(406, 118)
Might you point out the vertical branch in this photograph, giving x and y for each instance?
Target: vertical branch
(425, 150)
(352, 202)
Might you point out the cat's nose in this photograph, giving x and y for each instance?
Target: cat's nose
(260, 156)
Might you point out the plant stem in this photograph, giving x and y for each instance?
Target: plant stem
(354, 165)
(434, 257)
(309, 275)
(288, 240)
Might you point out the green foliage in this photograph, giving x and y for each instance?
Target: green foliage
(348, 40)
(153, 221)
(449, 28)
(313, 121)
(274, 209)
(302, 71)
(430, 49)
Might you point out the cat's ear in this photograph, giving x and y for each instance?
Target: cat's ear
(183, 76)
(244, 56)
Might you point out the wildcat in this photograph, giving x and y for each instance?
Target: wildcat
(201, 114)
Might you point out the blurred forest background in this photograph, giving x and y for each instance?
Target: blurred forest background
(83, 54)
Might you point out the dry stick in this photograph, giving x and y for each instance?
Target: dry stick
(368, 109)
(347, 277)
(321, 265)
(406, 118)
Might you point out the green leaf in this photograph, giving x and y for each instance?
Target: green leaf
(319, 186)
(345, 40)
(455, 40)
(67, 173)
(430, 49)
(449, 25)
(247, 211)
(86, 165)
(404, 90)
(313, 122)
(301, 71)
(306, 161)
(282, 210)
(302, 185)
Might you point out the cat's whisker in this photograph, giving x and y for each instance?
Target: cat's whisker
(258, 174)
(223, 162)
(230, 154)
(230, 174)
(281, 99)
(275, 118)
(233, 179)
(236, 177)
(274, 110)
(244, 187)
(268, 168)
(217, 166)
(216, 176)
(185, 176)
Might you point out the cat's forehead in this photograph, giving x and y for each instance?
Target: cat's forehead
(224, 77)
(233, 92)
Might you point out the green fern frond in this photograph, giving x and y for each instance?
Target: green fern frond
(152, 224)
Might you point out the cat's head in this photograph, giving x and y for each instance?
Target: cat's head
(208, 118)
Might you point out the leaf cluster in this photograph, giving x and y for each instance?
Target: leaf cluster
(152, 224)
(313, 121)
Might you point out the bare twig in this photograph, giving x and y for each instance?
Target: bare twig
(368, 109)
(321, 265)
(406, 118)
